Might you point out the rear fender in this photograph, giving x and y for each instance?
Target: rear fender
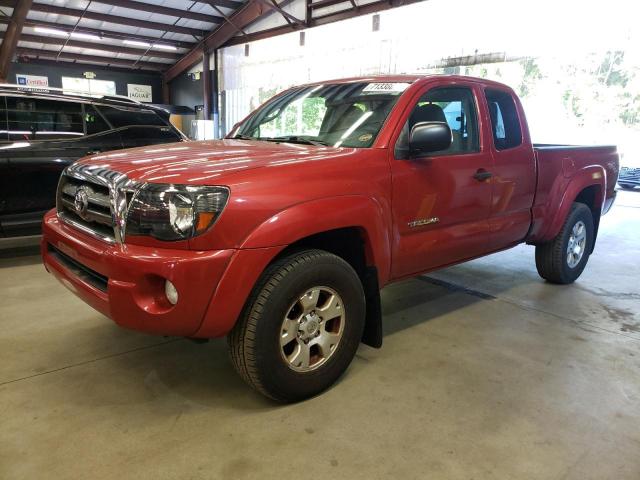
(594, 175)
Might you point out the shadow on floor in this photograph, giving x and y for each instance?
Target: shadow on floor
(20, 256)
(421, 299)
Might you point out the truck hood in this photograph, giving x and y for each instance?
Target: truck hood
(205, 162)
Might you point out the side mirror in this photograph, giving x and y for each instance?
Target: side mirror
(426, 137)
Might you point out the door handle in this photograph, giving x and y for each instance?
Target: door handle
(481, 175)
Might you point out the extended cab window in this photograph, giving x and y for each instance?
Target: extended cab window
(43, 119)
(453, 106)
(126, 117)
(505, 123)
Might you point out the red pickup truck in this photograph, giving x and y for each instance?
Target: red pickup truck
(282, 235)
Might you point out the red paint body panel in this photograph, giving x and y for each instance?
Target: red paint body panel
(281, 193)
(135, 293)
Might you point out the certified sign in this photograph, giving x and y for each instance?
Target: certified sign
(141, 93)
(32, 81)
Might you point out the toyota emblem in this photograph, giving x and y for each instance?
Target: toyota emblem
(81, 202)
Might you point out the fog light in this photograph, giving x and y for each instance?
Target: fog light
(171, 292)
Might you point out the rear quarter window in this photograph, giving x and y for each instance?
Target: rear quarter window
(43, 119)
(505, 124)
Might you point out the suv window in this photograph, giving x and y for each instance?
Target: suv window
(94, 121)
(125, 117)
(505, 123)
(456, 107)
(3, 119)
(43, 119)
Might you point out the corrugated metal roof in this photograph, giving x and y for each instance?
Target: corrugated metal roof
(149, 33)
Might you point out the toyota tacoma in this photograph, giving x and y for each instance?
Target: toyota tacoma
(281, 236)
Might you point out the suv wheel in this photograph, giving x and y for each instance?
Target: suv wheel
(563, 259)
(301, 326)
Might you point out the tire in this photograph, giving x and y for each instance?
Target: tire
(626, 186)
(552, 258)
(278, 303)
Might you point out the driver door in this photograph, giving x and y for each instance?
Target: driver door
(441, 200)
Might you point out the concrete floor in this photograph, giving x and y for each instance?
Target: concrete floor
(486, 372)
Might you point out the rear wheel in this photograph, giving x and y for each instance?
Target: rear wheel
(301, 326)
(626, 186)
(563, 259)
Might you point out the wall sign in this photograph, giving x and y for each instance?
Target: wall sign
(141, 93)
(32, 81)
(72, 85)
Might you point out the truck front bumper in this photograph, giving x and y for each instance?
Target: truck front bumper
(127, 282)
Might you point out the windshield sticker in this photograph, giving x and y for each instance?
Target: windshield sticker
(365, 137)
(393, 88)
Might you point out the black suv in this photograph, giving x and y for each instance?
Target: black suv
(42, 132)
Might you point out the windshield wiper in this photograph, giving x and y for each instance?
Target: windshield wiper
(296, 139)
(244, 137)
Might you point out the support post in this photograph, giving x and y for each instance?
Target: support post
(166, 93)
(308, 17)
(12, 35)
(206, 85)
(216, 96)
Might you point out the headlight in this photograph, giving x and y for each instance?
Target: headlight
(174, 212)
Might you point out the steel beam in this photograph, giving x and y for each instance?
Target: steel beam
(130, 22)
(108, 34)
(286, 15)
(325, 3)
(320, 20)
(96, 46)
(89, 66)
(171, 12)
(12, 35)
(231, 4)
(117, 62)
(241, 18)
(222, 14)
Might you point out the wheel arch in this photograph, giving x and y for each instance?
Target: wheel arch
(352, 245)
(592, 196)
(352, 227)
(349, 217)
(588, 187)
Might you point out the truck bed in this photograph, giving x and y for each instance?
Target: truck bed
(557, 164)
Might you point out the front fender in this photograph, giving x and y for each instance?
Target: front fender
(284, 228)
(594, 175)
(325, 214)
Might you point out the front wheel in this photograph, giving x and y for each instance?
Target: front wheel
(301, 326)
(563, 259)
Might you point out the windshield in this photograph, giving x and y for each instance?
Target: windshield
(346, 114)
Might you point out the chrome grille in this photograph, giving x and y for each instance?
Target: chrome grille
(95, 200)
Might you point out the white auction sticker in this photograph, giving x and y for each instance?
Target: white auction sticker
(394, 88)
